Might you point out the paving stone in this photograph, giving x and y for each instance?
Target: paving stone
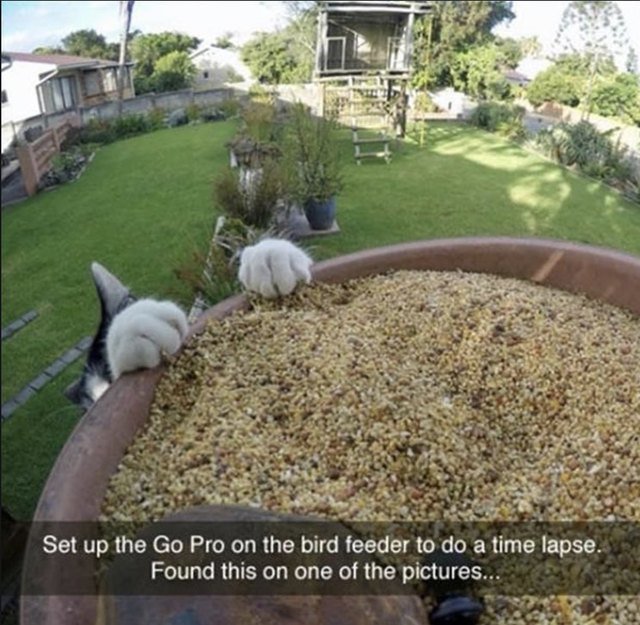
(12, 328)
(24, 395)
(56, 367)
(71, 355)
(85, 343)
(40, 381)
(9, 408)
(29, 316)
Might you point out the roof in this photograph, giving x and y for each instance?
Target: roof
(60, 60)
(512, 74)
(376, 7)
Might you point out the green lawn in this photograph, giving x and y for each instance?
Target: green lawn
(144, 205)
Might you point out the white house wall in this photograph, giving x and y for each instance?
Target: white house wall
(19, 82)
(218, 63)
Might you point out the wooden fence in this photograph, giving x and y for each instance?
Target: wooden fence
(36, 157)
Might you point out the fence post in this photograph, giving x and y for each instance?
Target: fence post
(29, 168)
(56, 138)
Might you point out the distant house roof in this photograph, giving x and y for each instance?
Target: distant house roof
(376, 6)
(515, 76)
(60, 60)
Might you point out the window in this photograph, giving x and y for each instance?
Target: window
(92, 83)
(62, 93)
(5, 99)
(111, 80)
(205, 74)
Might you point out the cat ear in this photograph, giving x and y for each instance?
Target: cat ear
(110, 290)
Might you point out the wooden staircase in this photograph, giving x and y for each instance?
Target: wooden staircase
(366, 103)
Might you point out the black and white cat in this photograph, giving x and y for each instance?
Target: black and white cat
(134, 333)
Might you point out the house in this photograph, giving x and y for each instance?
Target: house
(356, 38)
(516, 78)
(34, 84)
(364, 60)
(217, 67)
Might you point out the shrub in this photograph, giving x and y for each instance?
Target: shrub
(552, 142)
(505, 119)
(229, 108)
(259, 122)
(109, 130)
(156, 118)
(593, 153)
(210, 274)
(251, 195)
(97, 131)
(66, 166)
(193, 112)
(129, 125)
(313, 155)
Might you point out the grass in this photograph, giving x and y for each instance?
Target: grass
(466, 182)
(145, 203)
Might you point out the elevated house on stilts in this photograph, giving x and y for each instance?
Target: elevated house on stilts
(363, 62)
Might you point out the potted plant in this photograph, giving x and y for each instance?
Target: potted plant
(313, 153)
(256, 140)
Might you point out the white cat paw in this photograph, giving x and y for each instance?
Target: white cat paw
(274, 267)
(142, 333)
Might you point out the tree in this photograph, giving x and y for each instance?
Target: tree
(530, 46)
(173, 71)
(510, 51)
(453, 27)
(619, 96)
(147, 50)
(477, 71)
(286, 56)
(126, 10)
(47, 50)
(87, 43)
(632, 61)
(556, 84)
(269, 58)
(224, 41)
(593, 28)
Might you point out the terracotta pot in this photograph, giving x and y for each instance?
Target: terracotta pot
(77, 483)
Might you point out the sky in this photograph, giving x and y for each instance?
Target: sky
(27, 25)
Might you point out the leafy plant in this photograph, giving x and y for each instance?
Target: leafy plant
(312, 154)
(259, 121)
(129, 125)
(593, 153)
(503, 118)
(252, 195)
(209, 274)
(109, 130)
(66, 165)
(156, 118)
(97, 131)
(193, 112)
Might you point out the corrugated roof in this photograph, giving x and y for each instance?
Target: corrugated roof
(59, 60)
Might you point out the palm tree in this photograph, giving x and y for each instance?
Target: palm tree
(126, 10)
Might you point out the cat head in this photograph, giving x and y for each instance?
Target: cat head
(96, 374)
